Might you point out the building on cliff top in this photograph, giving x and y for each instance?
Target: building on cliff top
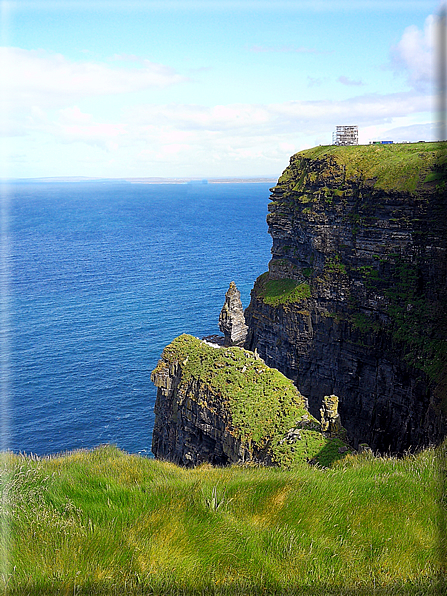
(345, 135)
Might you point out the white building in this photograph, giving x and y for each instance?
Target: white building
(345, 135)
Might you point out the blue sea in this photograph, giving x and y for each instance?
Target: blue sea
(100, 276)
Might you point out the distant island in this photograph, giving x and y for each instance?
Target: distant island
(199, 180)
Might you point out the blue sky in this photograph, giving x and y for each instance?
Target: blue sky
(191, 88)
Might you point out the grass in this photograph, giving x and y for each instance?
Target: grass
(334, 265)
(260, 405)
(401, 166)
(102, 521)
(281, 291)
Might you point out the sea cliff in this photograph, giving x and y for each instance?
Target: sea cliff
(223, 405)
(354, 300)
(352, 310)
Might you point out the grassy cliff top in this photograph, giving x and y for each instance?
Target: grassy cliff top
(400, 166)
(230, 372)
(263, 405)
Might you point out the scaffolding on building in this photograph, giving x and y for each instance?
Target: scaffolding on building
(345, 135)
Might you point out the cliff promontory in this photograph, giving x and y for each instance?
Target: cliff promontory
(223, 405)
(354, 302)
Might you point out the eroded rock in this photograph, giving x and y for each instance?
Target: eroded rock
(223, 405)
(330, 418)
(231, 319)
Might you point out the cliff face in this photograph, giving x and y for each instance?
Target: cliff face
(224, 405)
(191, 424)
(354, 299)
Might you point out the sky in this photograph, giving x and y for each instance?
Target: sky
(223, 88)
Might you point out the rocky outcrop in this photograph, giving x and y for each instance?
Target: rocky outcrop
(330, 418)
(224, 405)
(191, 424)
(354, 300)
(231, 319)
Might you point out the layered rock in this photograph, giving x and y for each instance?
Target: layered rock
(224, 405)
(231, 318)
(330, 418)
(354, 300)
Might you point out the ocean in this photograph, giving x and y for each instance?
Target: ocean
(98, 277)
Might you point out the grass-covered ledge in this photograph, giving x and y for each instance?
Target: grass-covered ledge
(281, 291)
(260, 404)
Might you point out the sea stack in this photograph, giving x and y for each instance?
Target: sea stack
(330, 418)
(231, 318)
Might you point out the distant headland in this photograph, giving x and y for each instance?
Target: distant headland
(151, 180)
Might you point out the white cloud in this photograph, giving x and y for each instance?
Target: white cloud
(417, 52)
(411, 132)
(233, 133)
(36, 77)
(196, 117)
(73, 125)
(347, 81)
(315, 81)
(286, 117)
(238, 139)
(363, 109)
(34, 82)
(45, 93)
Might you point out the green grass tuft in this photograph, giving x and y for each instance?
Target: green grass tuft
(281, 291)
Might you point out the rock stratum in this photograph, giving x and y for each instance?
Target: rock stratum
(354, 302)
(223, 405)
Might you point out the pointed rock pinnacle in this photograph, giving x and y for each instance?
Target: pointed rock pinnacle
(231, 319)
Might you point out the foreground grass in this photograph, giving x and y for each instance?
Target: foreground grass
(103, 521)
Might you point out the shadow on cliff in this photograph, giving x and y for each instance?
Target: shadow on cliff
(329, 454)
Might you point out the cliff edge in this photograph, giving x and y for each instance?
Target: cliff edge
(223, 405)
(354, 302)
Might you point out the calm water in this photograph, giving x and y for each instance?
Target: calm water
(102, 275)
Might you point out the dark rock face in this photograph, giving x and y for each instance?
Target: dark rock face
(231, 319)
(373, 329)
(191, 423)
